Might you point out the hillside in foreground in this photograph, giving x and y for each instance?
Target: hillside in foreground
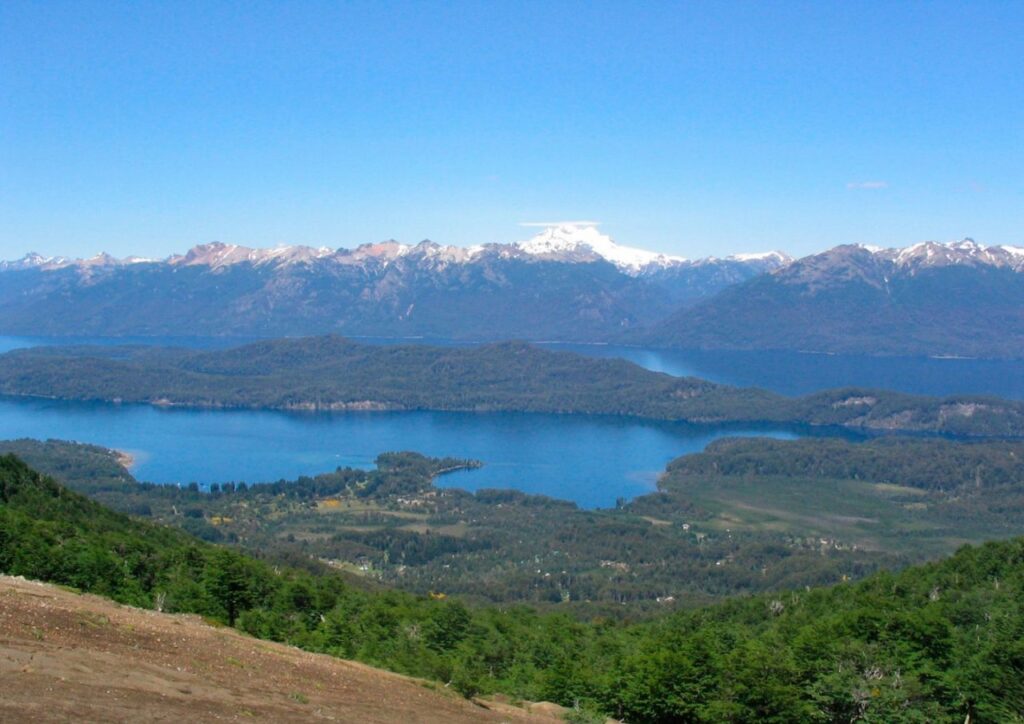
(939, 642)
(67, 656)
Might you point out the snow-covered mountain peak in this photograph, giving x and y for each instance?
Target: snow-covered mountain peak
(573, 241)
(289, 254)
(778, 258)
(34, 258)
(565, 237)
(217, 254)
(965, 252)
(30, 261)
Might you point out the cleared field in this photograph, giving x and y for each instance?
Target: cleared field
(870, 516)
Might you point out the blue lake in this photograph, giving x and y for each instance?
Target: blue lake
(798, 373)
(590, 460)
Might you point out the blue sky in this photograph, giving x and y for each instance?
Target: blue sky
(697, 128)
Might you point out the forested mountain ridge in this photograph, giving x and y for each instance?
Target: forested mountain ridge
(959, 299)
(938, 642)
(332, 373)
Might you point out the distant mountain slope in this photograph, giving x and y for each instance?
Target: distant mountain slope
(332, 373)
(567, 283)
(929, 299)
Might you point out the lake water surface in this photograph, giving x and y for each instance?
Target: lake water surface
(592, 460)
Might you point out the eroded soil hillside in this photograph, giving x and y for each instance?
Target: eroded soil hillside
(65, 656)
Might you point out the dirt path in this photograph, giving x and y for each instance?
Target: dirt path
(71, 657)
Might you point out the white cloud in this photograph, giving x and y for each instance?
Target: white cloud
(867, 185)
(548, 224)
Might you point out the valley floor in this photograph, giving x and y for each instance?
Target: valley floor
(71, 657)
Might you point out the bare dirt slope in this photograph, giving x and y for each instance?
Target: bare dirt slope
(65, 656)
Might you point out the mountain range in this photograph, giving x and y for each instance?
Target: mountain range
(959, 299)
(568, 282)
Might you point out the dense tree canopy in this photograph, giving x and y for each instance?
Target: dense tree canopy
(938, 642)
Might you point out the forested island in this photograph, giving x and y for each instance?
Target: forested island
(933, 643)
(332, 373)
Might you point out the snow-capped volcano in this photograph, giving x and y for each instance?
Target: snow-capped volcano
(575, 241)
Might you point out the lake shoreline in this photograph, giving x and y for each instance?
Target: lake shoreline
(891, 426)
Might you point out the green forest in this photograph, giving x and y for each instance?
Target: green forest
(938, 642)
(332, 373)
(745, 516)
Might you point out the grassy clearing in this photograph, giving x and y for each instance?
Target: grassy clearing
(871, 516)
